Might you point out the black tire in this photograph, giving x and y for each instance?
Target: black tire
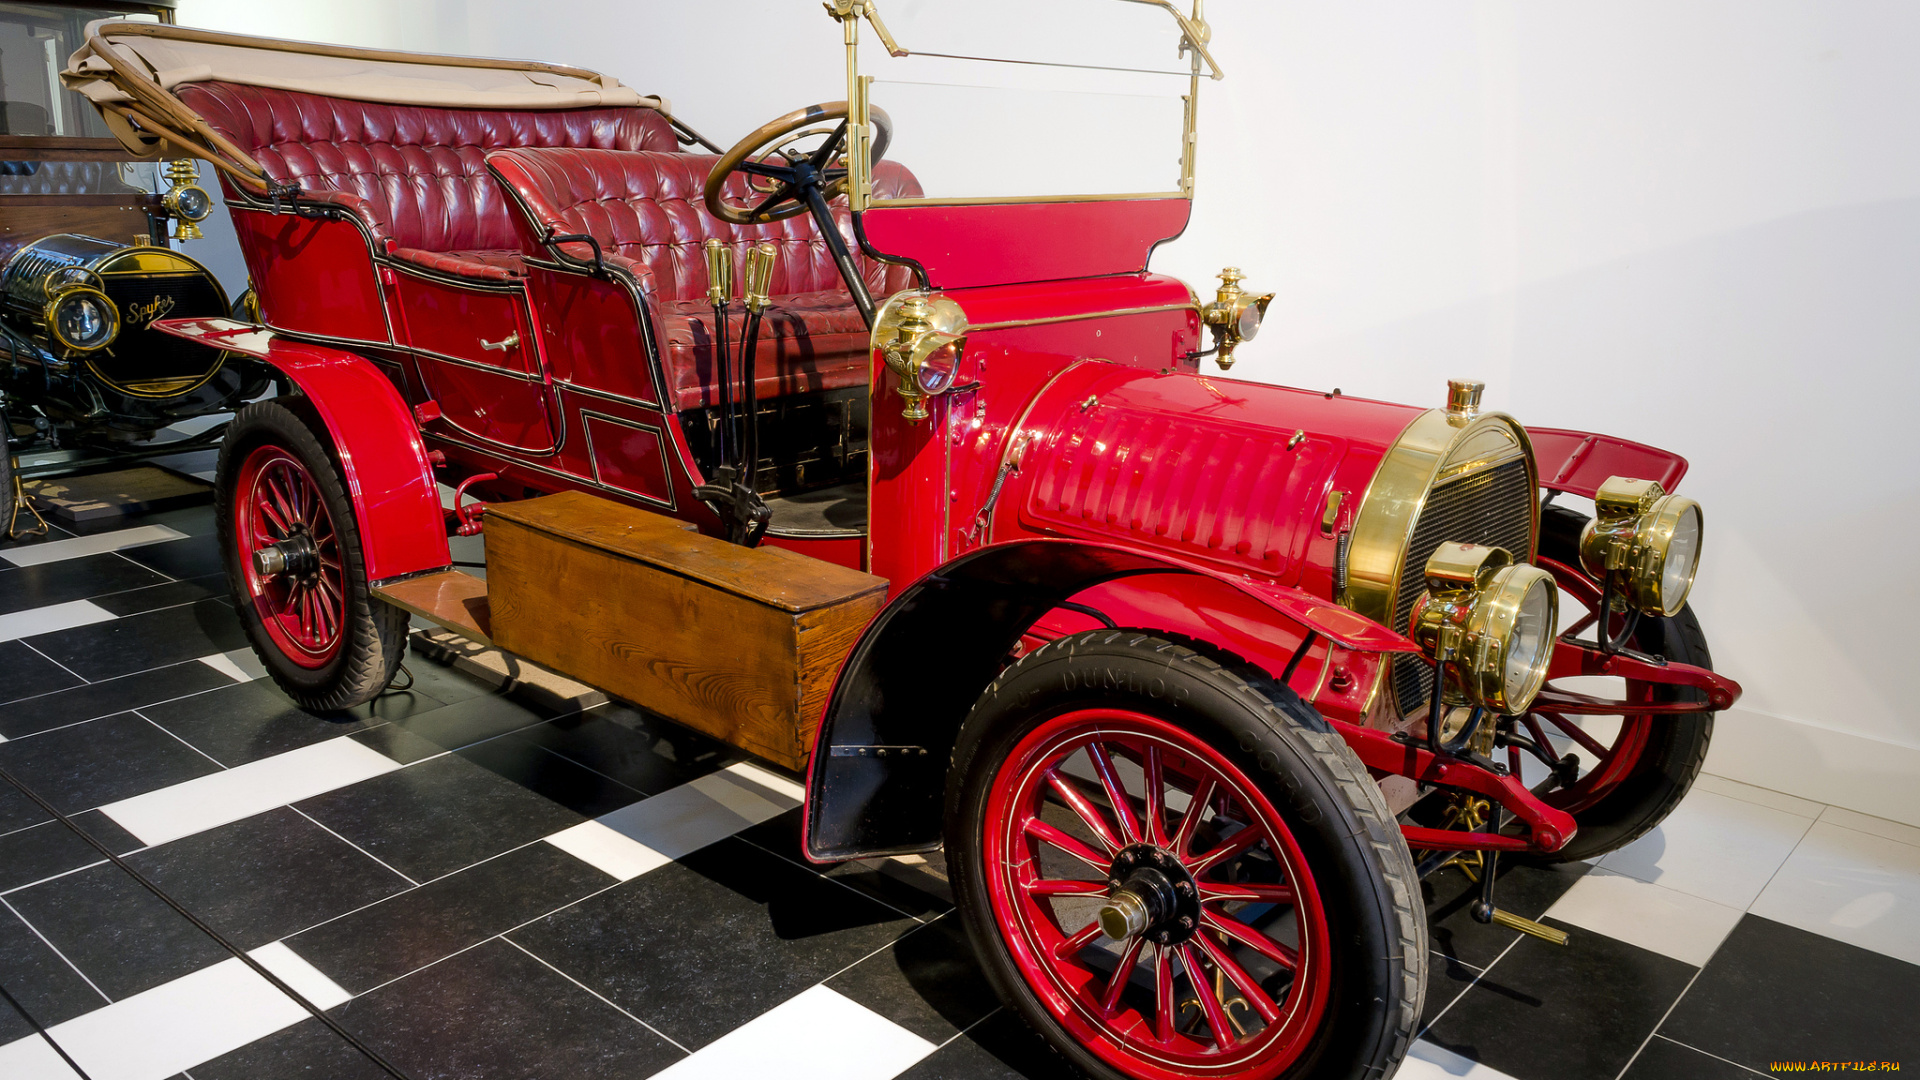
(1365, 874)
(6, 478)
(375, 631)
(1677, 747)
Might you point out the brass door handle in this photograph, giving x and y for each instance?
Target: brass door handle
(511, 341)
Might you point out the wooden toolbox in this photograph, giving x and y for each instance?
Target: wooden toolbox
(742, 644)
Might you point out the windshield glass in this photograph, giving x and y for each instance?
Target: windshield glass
(35, 41)
(1006, 99)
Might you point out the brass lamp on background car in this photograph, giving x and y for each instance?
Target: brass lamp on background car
(186, 202)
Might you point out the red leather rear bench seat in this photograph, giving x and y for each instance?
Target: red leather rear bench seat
(647, 211)
(415, 175)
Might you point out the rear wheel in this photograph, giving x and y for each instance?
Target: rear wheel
(293, 558)
(1173, 868)
(1631, 770)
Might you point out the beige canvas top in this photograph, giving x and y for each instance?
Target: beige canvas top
(128, 70)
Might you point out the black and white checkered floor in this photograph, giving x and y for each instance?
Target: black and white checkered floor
(474, 889)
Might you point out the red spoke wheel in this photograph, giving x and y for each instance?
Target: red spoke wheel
(1631, 770)
(292, 554)
(1183, 872)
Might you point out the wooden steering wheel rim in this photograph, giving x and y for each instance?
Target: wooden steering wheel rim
(768, 134)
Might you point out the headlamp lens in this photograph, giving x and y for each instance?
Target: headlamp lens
(1530, 641)
(193, 203)
(1682, 559)
(86, 321)
(935, 374)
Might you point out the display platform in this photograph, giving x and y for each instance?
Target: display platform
(91, 500)
(475, 881)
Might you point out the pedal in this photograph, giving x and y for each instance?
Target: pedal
(1527, 926)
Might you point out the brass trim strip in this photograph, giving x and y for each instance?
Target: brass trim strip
(1009, 200)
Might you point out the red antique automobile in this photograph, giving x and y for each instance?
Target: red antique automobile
(1192, 677)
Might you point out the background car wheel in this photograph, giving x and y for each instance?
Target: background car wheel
(1633, 776)
(1277, 932)
(6, 477)
(310, 616)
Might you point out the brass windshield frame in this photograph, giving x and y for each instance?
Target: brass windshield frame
(1195, 34)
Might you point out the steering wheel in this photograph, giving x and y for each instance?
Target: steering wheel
(781, 190)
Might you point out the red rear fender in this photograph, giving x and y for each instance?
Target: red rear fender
(395, 501)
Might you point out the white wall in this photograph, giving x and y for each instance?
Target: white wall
(1690, 222)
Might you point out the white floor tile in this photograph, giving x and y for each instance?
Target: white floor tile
(211, 801)
(1653, 917)
(1850, 886)
(817, 1035)
(305, 979)
(1713, 847)
(1779, 800)
(1425, 1061)
(177, 1025)
(1891, 830)
(240, 665)
(679, 821)
(77, 546)
(45, 620)
(32, 1059)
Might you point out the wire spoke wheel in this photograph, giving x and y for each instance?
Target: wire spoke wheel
(277, 506)
(1228, 976)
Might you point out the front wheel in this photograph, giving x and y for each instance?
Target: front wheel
(1172, 867)
(292, 553)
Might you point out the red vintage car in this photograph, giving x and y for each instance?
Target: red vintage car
(1192, 677)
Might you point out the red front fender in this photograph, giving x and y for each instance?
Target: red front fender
(395, 501)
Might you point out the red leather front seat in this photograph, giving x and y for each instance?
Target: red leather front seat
(415, 175)
(648, 212)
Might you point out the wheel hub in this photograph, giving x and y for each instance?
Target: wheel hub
(1153, 897)
(295, 556)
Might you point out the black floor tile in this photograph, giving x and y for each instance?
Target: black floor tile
(1522, 888)
(193, 520)
(71, 579)
(416, 928)
(25, 673)
(16, 810)
(443, 684)
(45, 985)
(309, 1050)
(641, 752)
(467, 722)
(1573, 1012)
(1447, 979)
(151, 639)
(123, 937)
(435, 817)
(101, 761)
(54, 532)
(560, 780)
(397, 743)
(495, 1012)
(262, 878)
(46, 849)
(701, 946)
(243, 722)
(781, 836)
(1001, 1047)
(1664, 1059)
(105, 698)
(1777, 993)
(108, 832)
(928, 982)
(167, 594)
(194, 557)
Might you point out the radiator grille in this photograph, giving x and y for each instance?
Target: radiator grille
(1492, 507)
(144, 357)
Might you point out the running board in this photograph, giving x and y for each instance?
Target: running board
(450, 599)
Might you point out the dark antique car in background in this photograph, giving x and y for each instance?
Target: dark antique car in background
(1182, 671)
(86, 269)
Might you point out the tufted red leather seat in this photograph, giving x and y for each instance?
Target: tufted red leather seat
(415, 175)
(648, 213)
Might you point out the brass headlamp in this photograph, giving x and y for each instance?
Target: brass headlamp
(1489, 623)
(922, 339)
(1234, 316)
(1648, 538)
(78, 314)
(187, 202)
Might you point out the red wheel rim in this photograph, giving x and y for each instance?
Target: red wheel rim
(1610, 762)
(277, 502)
(1243, 994)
